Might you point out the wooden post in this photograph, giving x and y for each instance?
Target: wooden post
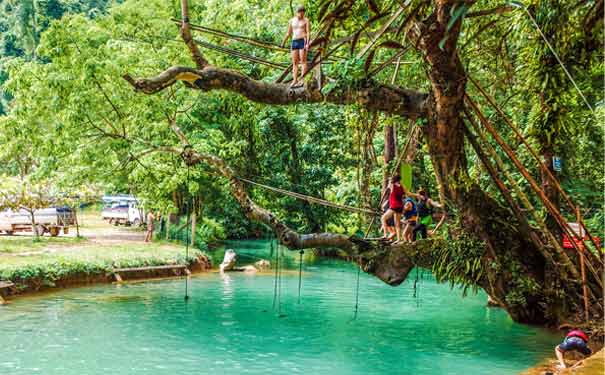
(547, 171)
(524, 199)
(193, 224)
(582, 267)
(548, 205)
(524, 225)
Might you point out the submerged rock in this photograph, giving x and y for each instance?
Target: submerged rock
(262, 264)
(229, 260)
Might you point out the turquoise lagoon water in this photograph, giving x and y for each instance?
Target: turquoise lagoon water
(229, 326)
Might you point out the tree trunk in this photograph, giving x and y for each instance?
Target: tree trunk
(34, 225)
(510, 260)
(167, 225)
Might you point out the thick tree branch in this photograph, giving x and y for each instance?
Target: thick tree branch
(378, 97)
(197, 56)
(391, 264)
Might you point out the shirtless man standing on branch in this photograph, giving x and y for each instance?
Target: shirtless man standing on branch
(300, 30)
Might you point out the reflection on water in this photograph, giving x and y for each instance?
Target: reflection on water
(229, 327)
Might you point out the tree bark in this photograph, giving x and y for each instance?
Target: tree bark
(376, 97)
(480, 214)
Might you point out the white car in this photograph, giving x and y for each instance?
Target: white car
(122, 209)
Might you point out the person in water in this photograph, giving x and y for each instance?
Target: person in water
(575, 340)
(388, 230)
(395, 207)
(299, 28)
(150, 226)
(410, 215)
(424, 207)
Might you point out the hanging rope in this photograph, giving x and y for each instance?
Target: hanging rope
(416, 289)
(276, 274)
(279, 284)
(239, 38)
(241, 55)
(309, 198)
(187, 236)
(357, 290)
(300, 263)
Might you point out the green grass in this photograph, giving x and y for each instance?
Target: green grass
(18, 244)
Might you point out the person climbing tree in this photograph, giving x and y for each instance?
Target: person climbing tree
(388, 229)
(410, 214)
(424, 207)
(299, 28)
(395, 206)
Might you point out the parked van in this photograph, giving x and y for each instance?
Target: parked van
(53, 220)
(122, 209)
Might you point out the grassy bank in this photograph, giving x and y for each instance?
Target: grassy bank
(44, 269)
(58, 261)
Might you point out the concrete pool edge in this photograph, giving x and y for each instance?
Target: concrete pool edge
(32, 286)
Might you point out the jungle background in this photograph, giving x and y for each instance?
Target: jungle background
(69, 119)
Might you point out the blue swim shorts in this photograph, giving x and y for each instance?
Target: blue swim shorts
(575, 343)
(298, 44)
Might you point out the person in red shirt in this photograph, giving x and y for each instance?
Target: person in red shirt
(575, 340)
(395, 207)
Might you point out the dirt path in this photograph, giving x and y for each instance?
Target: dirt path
(104, 233)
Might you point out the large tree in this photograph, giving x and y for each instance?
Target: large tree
(517, 272)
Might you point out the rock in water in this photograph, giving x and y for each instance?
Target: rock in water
(262, 264)
(228, 263)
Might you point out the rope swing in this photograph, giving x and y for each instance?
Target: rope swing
(280, 249)
(188, 204)
(276, 274)
(300, 263)
(357, 291)
(309, 198)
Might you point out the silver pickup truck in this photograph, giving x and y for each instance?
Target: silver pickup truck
(122, 209)
(53, 220)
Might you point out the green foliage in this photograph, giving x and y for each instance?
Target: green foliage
(523, 286)
(346, 74)
(460, 262)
